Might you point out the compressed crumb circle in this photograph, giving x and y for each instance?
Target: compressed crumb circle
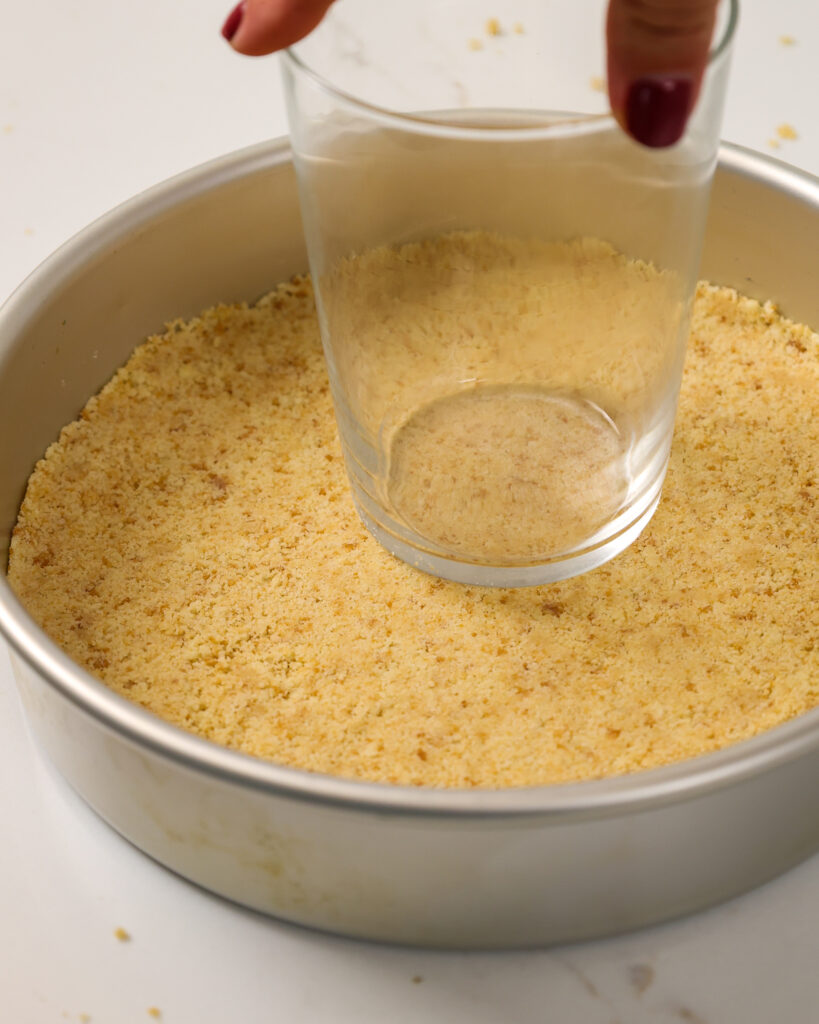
(491, 471)
(191, 541)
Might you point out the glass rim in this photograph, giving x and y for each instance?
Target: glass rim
(560, 122)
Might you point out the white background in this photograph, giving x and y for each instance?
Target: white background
(100, 99)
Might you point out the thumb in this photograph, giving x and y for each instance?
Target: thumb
(256, 27)
(657, 54)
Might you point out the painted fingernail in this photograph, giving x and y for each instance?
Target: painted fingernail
(234, 20)
(657, 109)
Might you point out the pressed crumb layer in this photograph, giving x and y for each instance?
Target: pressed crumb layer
(192, 542)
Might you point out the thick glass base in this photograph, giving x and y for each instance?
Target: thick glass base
(506, 473)
(608, 542)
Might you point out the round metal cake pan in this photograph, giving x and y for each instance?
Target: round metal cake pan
(449, 868)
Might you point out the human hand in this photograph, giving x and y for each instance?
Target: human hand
(657, 54)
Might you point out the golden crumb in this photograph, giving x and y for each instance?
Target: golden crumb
(85, 1018)
(786, 131)
(271, 621)
(155, 1012)
(787, 40)
(493, 27)
(641, 977)
(597, 83)
(417, 979)
(475, 44)
(774, 143)
(518, 28)
(122, 935)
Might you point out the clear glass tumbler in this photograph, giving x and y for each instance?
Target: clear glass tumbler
(503, 287)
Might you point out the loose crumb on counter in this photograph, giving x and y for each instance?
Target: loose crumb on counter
(787, 40)
(475, 44)
(597, 83)
(642, 977)
(786, 131)
(191, 541)
(122, 935)
(493, 27)
(155, 1012)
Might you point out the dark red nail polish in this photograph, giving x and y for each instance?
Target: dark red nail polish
(657, 109)
(233, 21)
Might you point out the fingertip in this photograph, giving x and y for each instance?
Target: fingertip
(657, 109)
(260, 27)
(233, 21)
(657, 55)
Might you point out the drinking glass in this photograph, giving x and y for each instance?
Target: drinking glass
(503, 277)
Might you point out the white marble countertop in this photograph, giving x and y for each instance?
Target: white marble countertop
(98, 101)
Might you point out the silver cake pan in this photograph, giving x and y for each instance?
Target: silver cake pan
(452, 868)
